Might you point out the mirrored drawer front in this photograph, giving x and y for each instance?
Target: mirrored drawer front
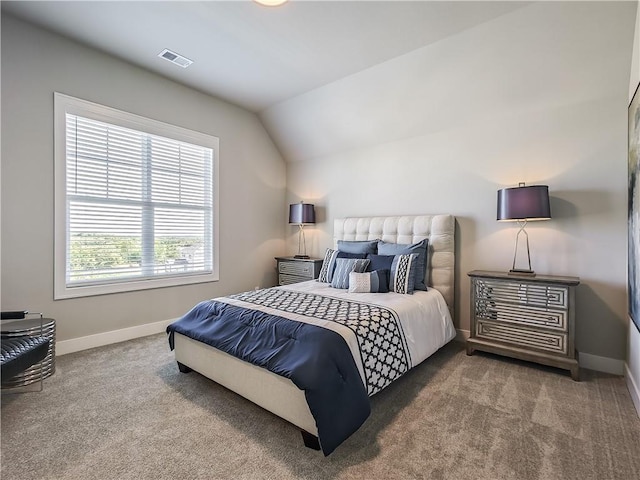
(549, 341)
(296, 268)
(284, 279)
(521, 314)
(536, 295)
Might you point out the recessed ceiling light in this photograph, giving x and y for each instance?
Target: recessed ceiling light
(176, 58)
(271, 3)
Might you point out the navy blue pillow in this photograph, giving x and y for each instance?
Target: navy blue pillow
(421, 248)
(379, 262)
(351, 255)
(358, 246)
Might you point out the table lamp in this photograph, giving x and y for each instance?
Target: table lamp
(302, 214)
(523, 204)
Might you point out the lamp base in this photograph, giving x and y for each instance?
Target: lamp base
(301, 256)
(523, 273)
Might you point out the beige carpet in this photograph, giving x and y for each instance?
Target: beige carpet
(125, 412)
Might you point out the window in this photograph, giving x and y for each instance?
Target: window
(135, 202)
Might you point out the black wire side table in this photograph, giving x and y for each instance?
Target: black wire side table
(33, 327)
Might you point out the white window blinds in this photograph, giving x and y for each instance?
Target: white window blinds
(138, 205)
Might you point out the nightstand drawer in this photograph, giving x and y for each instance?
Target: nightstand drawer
(521, 293)
(521, 314)
(538, 339)
(284, 279)
(304, 269)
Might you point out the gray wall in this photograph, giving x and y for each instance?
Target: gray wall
(35, 64)
(538, 95)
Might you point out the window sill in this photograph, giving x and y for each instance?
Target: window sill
(63, 292)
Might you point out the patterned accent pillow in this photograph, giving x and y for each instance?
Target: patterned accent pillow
(369, 282)
(344, 266)
(420, 248)
(329, 263)
(403, 273)
(326, 271)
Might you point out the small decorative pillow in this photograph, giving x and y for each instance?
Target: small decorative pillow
(369, 282)
(380, 262)
(358, 246)
(344, 266)
(326, 271)
(421, 249)
(329, 263)
(403, 273)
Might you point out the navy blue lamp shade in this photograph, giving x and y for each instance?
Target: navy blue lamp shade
(524, 203)
(302, 213)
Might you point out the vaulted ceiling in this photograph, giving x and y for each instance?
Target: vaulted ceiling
(327, 77)
(256, 56)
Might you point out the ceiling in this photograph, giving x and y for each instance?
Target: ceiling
(256, 56)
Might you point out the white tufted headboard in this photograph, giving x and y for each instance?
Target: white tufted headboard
(439, 229)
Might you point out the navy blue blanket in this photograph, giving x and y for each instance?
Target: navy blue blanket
(316, 360)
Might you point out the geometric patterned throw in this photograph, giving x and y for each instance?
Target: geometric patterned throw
(383, 348)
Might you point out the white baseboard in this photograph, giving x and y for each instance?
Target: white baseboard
(592, 362)
(100, 339)
(601, 364)
(634, 388)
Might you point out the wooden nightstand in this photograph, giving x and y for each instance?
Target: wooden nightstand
(294, 270)
(530, 318)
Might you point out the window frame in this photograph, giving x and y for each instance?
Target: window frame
(64, 104)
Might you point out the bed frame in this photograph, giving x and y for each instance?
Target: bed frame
(278, 394)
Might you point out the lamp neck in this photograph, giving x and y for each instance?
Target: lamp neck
(302, 243)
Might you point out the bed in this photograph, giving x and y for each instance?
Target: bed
(416, 326)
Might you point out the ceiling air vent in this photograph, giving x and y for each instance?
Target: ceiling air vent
(176, 58)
